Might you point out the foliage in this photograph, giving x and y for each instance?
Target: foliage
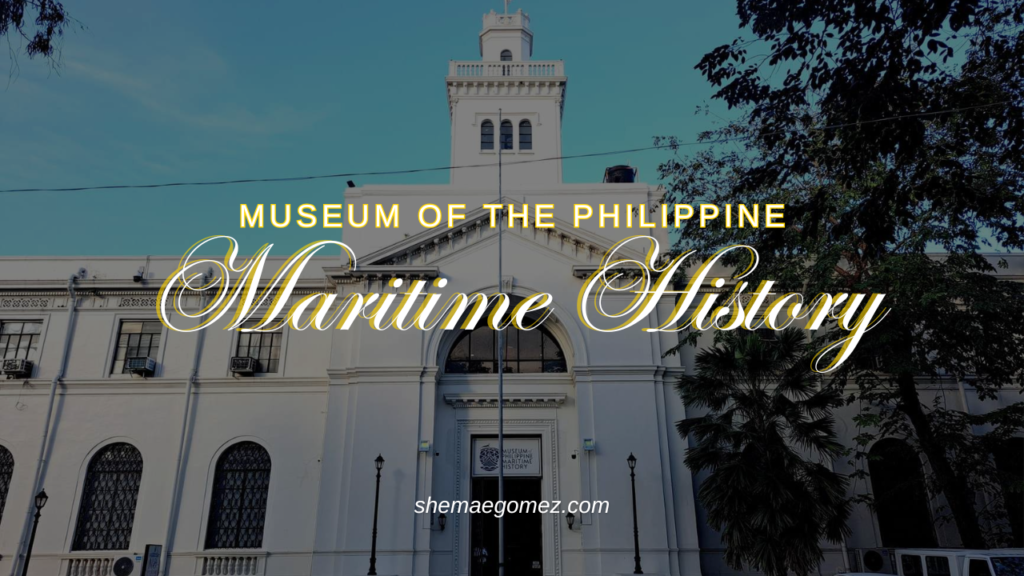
(767, 440)
(970, 440)
(39, 23)
(891, 131)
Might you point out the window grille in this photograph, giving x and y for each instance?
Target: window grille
(6, 471)
(238, 509)
(107, 510)
(506, 55)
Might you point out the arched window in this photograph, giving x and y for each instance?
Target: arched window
(526, 352)
(525, 135)
(506, 134)
(1009, 458)
(6, 471)
(901, 500)
(506, 55)
(487, 135)
(238, 509)
(107, 511)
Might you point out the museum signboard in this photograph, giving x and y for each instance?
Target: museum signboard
(522, 457)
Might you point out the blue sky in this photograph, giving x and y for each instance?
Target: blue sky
(161, 92)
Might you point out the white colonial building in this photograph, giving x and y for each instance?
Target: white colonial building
(201, 465)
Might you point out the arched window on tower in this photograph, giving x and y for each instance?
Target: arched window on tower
(238, 508)
(525, 135)
(487, 135)
(506, 134)
(506, 55)
(901, 499)
(106, 513)
(6, 471)
(526, 352)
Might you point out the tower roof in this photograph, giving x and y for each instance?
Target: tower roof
(505, 26)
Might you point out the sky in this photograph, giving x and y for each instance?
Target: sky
(152, 92)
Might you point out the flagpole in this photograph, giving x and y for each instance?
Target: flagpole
(501, 377)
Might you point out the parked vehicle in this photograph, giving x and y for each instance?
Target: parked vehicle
(946, 562)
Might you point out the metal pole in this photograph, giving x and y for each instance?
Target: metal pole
(31, 543)
(48, 422)
(186, 420)
(501, 382)
(373, 544)
(636, 531)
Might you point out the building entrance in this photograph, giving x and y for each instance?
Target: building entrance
(523, 536)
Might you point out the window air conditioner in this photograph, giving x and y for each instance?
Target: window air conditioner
(243, 365)
(141, 365)
(17, 368)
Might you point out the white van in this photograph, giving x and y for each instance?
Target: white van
(959, 562)
(956, 562)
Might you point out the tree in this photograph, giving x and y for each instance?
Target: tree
(39, 23)
(891, 131)
(767, 440)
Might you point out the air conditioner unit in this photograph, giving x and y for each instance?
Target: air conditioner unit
(127, 566)
(243, 365)
(141, 365)
(873, 560)
(17, 368)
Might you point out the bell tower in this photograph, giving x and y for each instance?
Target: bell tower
(506, 101)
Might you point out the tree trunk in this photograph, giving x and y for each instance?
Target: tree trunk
(958, 493)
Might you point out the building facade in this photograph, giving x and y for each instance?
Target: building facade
(207, 463)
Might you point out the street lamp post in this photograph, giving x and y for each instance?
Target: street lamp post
(378, 463)
(636, 531)
(41, 499)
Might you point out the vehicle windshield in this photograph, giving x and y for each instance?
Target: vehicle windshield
(1008, 565)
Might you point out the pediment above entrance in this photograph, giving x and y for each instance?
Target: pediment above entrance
(419, 256)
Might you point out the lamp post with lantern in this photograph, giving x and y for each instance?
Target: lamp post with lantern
(378, 463)
(636, 531)
(41, 499)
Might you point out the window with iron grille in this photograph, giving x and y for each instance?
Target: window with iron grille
(264, 347)
(506, 55)
(20, 340)
(506, 135)
(136, 339)
(487, 135)
(6, 471)
(238, 509)
(525, 135)
(107, 511)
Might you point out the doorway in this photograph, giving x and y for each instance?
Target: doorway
(524, 550)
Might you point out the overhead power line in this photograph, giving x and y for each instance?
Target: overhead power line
(491, 164)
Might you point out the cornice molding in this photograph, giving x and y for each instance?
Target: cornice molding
(506, 87)
(514, 400)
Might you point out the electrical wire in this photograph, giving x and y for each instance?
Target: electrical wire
(491, 164)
